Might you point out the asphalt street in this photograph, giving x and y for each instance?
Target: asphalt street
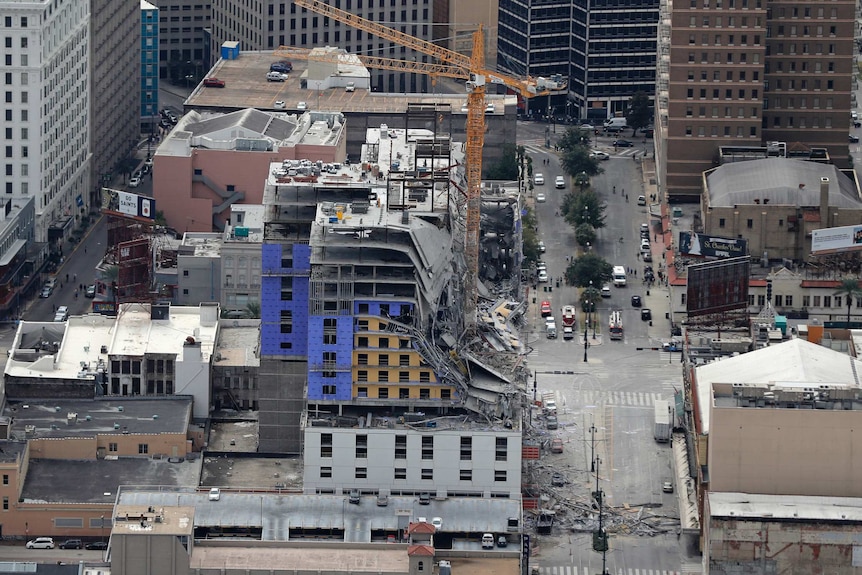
(616, 387)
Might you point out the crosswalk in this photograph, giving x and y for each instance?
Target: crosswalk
(617, 398)
(578, 570)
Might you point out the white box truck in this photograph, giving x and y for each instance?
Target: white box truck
(619, 275)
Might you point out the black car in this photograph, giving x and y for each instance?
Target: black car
(622, 144)
(284, 67)
(636, 301)
(854, 139)
(72, 544)
(97, 546)
(646, 314)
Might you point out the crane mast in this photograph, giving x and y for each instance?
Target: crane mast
(456, 65)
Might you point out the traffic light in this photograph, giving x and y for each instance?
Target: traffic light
(600, 541)
(769, 290)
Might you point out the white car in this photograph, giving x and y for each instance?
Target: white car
(215, 494)
(606, 290)
(542, 247)
(543, 276)
(490, 109)
(279, 105)
(135, 182)
(540, 198)
(599, 155)
(437, 522)
(559, 182)
(539, 179)
(302, 106)
(641, 200)
(41, 543)
(350, 87)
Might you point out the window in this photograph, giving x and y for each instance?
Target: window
(466, 448)
(5, 479)
(806, 301)
(383, 343)
(361, 473)
(502, 448)
(400, 447)
(779, 301)
(383, 376)
(403, 393)
(403, 376)
(143, 448)
(446, 394)
(788, 300)
(817, 301)
(328, 390)
(466, 475)
(362, 375)
(428, 447)
(428, 474)
(362, 359)
(361, 446)
(721, 222)
(400, 473)
(749, 223)
(424, 377)
(383, 392)
(362, 342)
(500, 475)
(827, 301)
(383, 359)
(325, 472)
(326, 445)
(112, 447)
(5, 504)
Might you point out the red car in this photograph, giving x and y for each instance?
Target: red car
(213, 83)
(546, 309)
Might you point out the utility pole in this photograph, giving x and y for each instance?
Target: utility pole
(592, 448)
(600, 537)
(586, 343)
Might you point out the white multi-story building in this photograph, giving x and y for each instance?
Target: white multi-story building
(46, 94)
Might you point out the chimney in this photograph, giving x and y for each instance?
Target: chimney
(824, 202)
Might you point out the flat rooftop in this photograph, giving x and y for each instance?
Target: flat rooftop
(66, 418)
(136, 519)
(277, 514)
(246, 86)
(242, 472)
(424, 417)
(329, 559)
(238, 344)
(97, 480)
(784, 507)
(201, 245)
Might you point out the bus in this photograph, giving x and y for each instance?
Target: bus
(615, 325)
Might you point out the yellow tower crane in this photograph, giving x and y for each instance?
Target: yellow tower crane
(455, 65)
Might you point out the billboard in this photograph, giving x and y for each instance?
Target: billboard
(832, 240)
(129, 204)
(717, 286)
(711, 246)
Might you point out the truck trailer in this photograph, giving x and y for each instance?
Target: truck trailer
(663, 421)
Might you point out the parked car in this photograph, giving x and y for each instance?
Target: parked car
(667, 487)
(96, 546)
(215, 494)
(556, 445)
(559, 182)
(437, 522)
(646, 314)
(72, 544)
(539, 179)
(354, 497)
(91, 291)
(606, 290)
(275, 77)
(46, 291)
(135, 182)
(540, 198)
(622, 144)
(279, 105)
(40, 543)
(542, 247)
(350, 87)
(502, 541)
(424, 498)
(636, 301)
(641, 200)
(283, 66)
(543, 277)
(382, 500)
(551, 422)
(599, 155)
(854, 139)
(301, 106)
(213, 83)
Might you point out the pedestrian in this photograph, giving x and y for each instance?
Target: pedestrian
(615, 189)
(67, 277)
(85, 249)
(81, 287)
(76, 277)
(638, 255)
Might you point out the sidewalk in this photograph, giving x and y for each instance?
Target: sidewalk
(656, 296)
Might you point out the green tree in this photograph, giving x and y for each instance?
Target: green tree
(849, 288)
(639, 114)
(589, 297)
(589, 268)
(577, 160)
(504, 168)
(573, 138)
(583, 207)
(531, 241)
(252, 309)
(585, 234)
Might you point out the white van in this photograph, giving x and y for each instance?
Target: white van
(488, 541)
(619, 274)
(616, 123)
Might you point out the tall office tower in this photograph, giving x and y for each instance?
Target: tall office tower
(184, 38)
(268, 25)
(746, 73)
(607, 50)
(46, 124)
(149, 67)
(115, 69)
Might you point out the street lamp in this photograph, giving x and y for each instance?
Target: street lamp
(585, 343)
(592, 448)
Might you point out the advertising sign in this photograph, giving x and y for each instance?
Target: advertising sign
(711, 246)
(135, 205)
(717, 286)
(832, 240)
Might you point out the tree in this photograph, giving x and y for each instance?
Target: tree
(252, 309)
(639, 114)
(504, 168)
(573, 138)
(577, 160)
(849, 288)
(585, 234)
(531, 241)
(589, 297)
(583, 207)
(589, 268)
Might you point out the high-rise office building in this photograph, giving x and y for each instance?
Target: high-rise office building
(746, 73)
(605, 48)
(46, 124)
(184, 38)
(149, 67)
(115, 91)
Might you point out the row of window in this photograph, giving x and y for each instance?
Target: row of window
(731, 4)
(808, 301)
(8, 21)
(385, 376)
(444, 393)
(143, 448)
(726, 131)
(732, 58)
(127, 366)
(154, 387)
(426, 474)
(466, 450)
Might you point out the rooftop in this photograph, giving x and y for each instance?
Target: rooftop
(199, 244)
(277, 514)
(238, 343)
(785, 507)
(246, 224)
(62, 418)
(391, 417)
(791, 369)
(137, 519)
(81, 346)
(97, 480)
(246, 86)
